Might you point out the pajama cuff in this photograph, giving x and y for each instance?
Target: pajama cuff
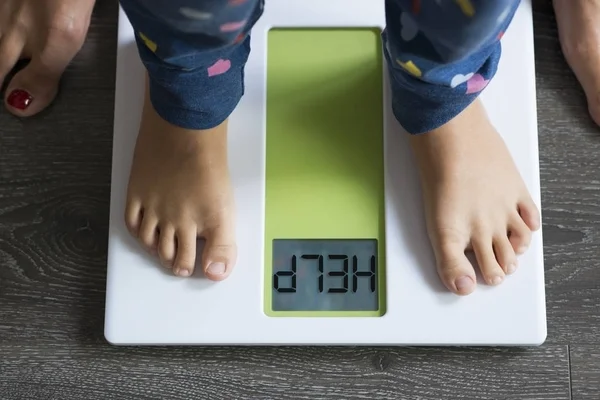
(208, 113)
(200, 98)
(421, 107)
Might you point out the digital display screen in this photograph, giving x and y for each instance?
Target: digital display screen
(325, 275)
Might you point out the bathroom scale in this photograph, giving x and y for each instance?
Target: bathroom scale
(332, 246)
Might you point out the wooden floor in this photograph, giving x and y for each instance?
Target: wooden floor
(54, 203)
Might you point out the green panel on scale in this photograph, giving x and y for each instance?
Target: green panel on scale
(324, 146)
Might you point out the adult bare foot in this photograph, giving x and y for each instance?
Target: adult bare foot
(49, 33)
(179, 189)
(474, 199)
(579, 31)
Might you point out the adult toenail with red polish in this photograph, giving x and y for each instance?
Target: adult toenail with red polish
(19, 99)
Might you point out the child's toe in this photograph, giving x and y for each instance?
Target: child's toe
(519, 234)
(505, 255)
(220, 253)
(133, 216)
(454, 268)
(486, 258)
(166, 246)
(148, 234)
(530, 214)
(185, 257)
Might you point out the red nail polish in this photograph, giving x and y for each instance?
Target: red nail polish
(19, 99)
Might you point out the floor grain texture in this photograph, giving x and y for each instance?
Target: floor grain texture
(585, 370)
(54, 199)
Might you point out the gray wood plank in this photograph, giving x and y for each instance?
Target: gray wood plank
(73, 371)
(54, 201)
(585, 372)
(569, 148)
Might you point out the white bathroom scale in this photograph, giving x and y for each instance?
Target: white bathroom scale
(332, 247)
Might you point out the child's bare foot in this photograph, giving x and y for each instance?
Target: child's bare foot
(49, 33)
(474, 199)
(579, 29)
(179, 189)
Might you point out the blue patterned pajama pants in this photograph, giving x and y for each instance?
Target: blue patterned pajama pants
(441, 54)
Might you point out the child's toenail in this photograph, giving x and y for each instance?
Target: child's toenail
(464, 283)
(511, 268)
(497, 280)
(216, 268)
(183, 272)
(19, 99)
(522, 249)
